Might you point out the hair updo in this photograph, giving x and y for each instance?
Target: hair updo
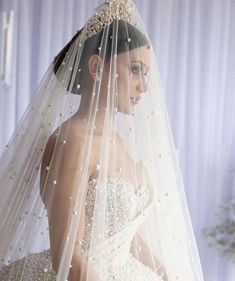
(128, 38)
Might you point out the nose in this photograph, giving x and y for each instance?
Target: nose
(142, 85)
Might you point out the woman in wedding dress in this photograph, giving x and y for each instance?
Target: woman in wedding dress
(74, 131)
(90, 182)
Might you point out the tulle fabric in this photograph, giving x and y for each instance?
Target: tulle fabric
(90, 184)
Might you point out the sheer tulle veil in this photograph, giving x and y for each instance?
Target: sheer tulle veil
(90, 183)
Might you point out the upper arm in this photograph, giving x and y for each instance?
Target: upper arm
(58, 187)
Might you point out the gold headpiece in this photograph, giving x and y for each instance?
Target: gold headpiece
(114, 9)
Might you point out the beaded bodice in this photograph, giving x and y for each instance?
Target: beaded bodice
(122, 207)
(111, 258)
(125, 210)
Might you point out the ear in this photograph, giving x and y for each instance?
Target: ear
(94, 64)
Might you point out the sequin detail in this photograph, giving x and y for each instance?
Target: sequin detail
(125, 211)
(122, 207)
(111, 259)
(34, 267)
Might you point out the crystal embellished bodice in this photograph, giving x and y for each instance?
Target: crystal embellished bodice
(125, 210)
(123, 206)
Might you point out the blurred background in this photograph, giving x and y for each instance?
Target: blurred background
(194, 41)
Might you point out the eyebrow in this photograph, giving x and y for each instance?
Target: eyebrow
(139, 61)
(142, 64)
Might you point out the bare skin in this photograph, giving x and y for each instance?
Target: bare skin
(73, 130)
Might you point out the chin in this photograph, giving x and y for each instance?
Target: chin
(126, 110)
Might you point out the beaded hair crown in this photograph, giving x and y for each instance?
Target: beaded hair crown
(113, 10)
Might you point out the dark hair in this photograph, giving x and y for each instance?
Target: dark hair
(128, 38)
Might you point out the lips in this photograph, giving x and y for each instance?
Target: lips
(135, 100)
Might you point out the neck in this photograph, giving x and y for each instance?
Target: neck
(102, 117)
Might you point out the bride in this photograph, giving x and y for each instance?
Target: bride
(90, 182)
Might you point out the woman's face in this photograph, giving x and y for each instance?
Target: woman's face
(132, 74)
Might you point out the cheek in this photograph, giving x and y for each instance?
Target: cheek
(124, 85)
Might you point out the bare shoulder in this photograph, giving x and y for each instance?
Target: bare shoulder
(63, 145)
(66, 133)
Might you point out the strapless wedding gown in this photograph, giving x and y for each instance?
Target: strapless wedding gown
(120, 264)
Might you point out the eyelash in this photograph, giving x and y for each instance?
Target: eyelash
(136, 70)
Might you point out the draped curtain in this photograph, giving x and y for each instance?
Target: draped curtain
(194, 42)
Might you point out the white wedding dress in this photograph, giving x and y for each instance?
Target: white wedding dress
(117, 261)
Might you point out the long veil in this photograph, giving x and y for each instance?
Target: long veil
(90, 184)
